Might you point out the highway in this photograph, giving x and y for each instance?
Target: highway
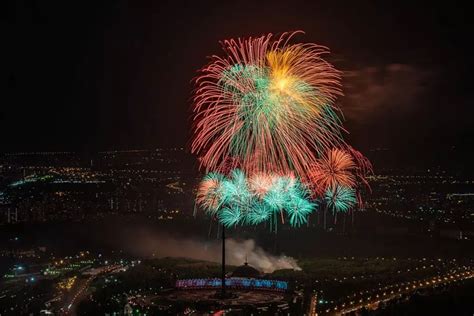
(79, 290)
(371, 299)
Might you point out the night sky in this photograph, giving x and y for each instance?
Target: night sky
(96, 75)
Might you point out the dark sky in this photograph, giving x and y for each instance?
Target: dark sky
(94, 75)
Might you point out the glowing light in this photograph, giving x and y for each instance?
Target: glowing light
(237, 199)
(257, 284)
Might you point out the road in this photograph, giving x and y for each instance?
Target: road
(78, 292)
(371, 300)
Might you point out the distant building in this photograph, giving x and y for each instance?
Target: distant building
(246, 271)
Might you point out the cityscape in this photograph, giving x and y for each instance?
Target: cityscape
(307, 166)
(50, 186)
(60, 191)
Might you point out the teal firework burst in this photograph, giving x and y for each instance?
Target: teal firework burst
(298, 210)
(238, 200)
(340, 199)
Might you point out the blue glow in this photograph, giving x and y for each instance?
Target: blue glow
(235, 283)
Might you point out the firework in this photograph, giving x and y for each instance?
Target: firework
(236, 199)
(209, 192)
(298, 210)
(258, 213)
(260, 184)
(340, 199)
(335, 169)
(363, 166)
(268, 104)
(268, 132)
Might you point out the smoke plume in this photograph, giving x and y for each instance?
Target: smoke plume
(238, 251)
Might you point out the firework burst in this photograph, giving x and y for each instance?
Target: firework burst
(209, 192)
(334, 169)
(268, 104)
(268, 132)
(340, 199)
(237, 199)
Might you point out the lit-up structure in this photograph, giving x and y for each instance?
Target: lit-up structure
(233, 283)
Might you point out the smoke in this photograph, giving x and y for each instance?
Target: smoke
(239, 251)
(147, 244)
(385, 91)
